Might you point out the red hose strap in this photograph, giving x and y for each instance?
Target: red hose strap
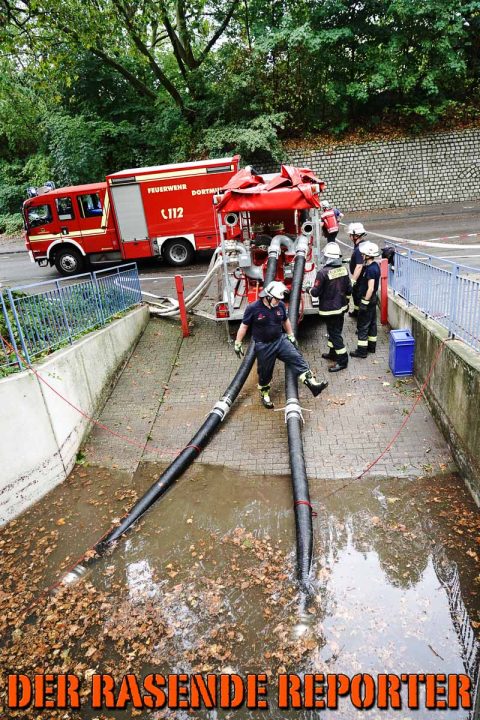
(199, 450)
(305, 502)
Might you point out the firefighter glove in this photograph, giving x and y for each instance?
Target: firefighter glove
(293, 340)
(238, 347)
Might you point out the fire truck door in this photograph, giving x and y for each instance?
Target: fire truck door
(97, 231)
(42, 223)
(68, 222)
(131, 222)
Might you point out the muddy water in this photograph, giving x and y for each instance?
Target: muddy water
(206, 583)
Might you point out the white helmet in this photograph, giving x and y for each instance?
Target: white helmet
(332, 250)
(357, 229)
(369, 249)
(274, 289)
(325, 204)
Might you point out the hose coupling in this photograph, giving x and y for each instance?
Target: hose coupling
(293, 409)
(301, 246)
(221, 408)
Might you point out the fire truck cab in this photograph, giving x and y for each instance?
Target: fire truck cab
(163, 211)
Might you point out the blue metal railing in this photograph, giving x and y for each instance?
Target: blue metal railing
(41, 317)
(444, 290)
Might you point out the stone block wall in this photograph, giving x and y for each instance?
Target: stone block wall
(434, 168)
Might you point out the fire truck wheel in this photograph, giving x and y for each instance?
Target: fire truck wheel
(178, 252)
(69, 262)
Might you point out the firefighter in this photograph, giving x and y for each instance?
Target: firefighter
(357, 235)
(329, 219)
(273, 336)
(333, 288)
(367, 292)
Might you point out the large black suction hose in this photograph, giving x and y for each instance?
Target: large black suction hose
(294, 420)
(202, 437)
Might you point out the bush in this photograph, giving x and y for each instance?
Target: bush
(11, 224)
(255, 139)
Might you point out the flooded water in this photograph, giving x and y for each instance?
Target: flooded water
(206, 584)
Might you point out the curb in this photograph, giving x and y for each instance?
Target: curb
(13, 252)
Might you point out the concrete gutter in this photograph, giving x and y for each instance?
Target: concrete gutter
(453, 390)
(40, 434)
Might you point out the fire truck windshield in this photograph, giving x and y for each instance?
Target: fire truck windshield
(39, 215)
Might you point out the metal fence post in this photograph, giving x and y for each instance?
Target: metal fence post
(120, 285)
(64, 312)
(10, 332)
(409, 274)
(136, 278)
(99, 297)
(452, 321)
(11, 300)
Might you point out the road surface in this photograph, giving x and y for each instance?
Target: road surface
(451, 231)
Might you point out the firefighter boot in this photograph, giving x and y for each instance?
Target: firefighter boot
(330, 355)
(372, 345)
(265, 396)
(340, 364)
(359, 354)
(312, 383)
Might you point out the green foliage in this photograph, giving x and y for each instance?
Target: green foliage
(256, 138)
(123, 88)
(11, 224)
(77, 147)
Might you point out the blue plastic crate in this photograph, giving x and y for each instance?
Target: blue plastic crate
(402, 351)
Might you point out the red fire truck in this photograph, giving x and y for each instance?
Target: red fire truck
(144, 212)
(258, 215)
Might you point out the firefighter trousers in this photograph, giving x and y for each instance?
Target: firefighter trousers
(356, 298)
(284, 350)
(367, 328)
(335, 339)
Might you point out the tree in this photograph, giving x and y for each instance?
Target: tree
(151, 32)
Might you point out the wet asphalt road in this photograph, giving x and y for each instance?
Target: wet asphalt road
(453, 228)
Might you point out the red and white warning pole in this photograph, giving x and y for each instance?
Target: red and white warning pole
(384, 292)
(181, 304)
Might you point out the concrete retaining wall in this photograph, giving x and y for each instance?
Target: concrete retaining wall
(433, 168)
(453, 391)
(39, 433)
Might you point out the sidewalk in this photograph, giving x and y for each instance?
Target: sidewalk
(10, 244)
(170, 385)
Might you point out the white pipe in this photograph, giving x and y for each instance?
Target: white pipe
(194, 297)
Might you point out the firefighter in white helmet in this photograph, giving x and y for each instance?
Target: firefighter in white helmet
(367, 310)
(357, 235)
(273, 336)
(333, 288)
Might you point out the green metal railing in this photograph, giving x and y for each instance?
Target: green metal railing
(41, 317)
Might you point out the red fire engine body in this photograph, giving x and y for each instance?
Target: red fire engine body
(143, 212)
(255, 214)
